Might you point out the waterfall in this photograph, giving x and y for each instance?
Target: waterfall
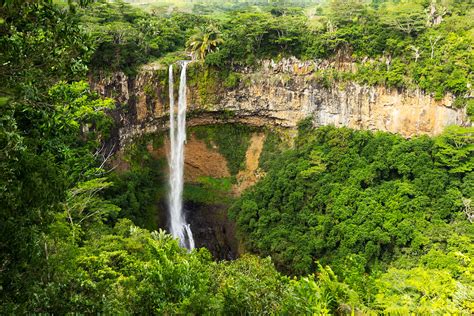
(178, 226)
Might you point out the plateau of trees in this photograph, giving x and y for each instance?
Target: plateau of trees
(426, 44)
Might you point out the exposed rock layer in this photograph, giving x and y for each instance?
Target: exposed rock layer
(200, 160)
(280, 94)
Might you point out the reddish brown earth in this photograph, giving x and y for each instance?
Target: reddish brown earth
(250, 175)
(200, 160)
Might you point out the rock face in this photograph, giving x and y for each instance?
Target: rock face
(213, 230)
(279, 94)
(199, 159)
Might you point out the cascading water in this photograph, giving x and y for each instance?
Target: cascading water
(178, 226)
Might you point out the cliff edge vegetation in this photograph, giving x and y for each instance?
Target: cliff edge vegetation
(426, 44)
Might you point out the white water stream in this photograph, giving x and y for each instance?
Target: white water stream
(178, 226)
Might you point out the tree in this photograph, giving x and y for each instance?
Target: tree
(204, 41)
(455, 149)
(50, 168)
(39, 43)
(407, 17)
(422, 291)
(344, 12)
(435, 13)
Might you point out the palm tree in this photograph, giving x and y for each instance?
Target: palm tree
(204, 41)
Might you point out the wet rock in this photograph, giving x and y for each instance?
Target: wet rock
(212, 229)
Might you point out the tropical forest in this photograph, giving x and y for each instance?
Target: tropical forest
(236, 157)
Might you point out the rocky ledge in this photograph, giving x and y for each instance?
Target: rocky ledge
(278, 94)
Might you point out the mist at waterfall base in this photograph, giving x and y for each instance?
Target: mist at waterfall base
(178, 226)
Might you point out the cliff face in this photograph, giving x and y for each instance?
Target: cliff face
(278, 94)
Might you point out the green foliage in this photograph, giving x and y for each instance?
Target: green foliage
(456, 149)
(320, 295)
(171, 58)
(272, 148)
(395, 43)
(84, 205)
(344, 196)
(249, 36)
(249, 285)
(470, 109)
(407, 17)
(140, 190)
(126, 37)
(391, 216)
(232, 80)
(207, 82)
(122, 270)
(138, 193)
(204, 41)
(209, 190)
(77, 111)
(51, 165)
(126, 269)
(40, 43)
(48, 134)
(423, 292)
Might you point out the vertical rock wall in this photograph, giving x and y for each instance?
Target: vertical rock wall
(279, 94)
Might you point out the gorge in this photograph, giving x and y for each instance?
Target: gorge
(273, 96)
(238, 157)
